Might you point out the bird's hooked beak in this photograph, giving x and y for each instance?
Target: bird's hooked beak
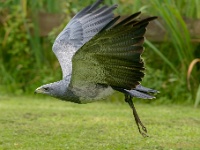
(39, 90)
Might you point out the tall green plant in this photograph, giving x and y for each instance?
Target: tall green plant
(179, 37)
(189, 9)
(177, 30)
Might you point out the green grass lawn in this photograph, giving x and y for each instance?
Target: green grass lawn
(46, 124)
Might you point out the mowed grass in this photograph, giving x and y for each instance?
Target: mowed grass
(30, 123)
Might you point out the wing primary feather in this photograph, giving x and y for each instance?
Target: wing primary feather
(126, 20)
(109, 9)
(95, 5)
(144, 21)
(110, 24)
(96, 25)
(87, 9)
(81, 13)
(97, 11)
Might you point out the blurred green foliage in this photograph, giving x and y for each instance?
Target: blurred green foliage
(15, 47)
(26, 59)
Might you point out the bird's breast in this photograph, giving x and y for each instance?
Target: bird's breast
(91, 93)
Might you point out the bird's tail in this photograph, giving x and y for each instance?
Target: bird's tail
(139, 91)
(142, 92)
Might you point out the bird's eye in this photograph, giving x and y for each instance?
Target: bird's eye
(46, 88)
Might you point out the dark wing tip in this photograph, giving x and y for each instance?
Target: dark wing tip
(110, 24)
(128, 19)
(96, 4)
(115, 5)
(151, 18)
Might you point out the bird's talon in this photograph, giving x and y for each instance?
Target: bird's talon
(144, 135)
(144, 129)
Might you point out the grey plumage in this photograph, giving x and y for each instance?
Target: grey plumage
(99, 56)
(80, 30)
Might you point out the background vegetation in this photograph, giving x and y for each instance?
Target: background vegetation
(26, 59)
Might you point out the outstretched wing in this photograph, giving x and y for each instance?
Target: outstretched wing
(82, 27)
(113, 56)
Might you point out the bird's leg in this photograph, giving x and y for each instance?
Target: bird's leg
(128, 99)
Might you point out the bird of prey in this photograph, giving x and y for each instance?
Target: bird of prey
(99, 55)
